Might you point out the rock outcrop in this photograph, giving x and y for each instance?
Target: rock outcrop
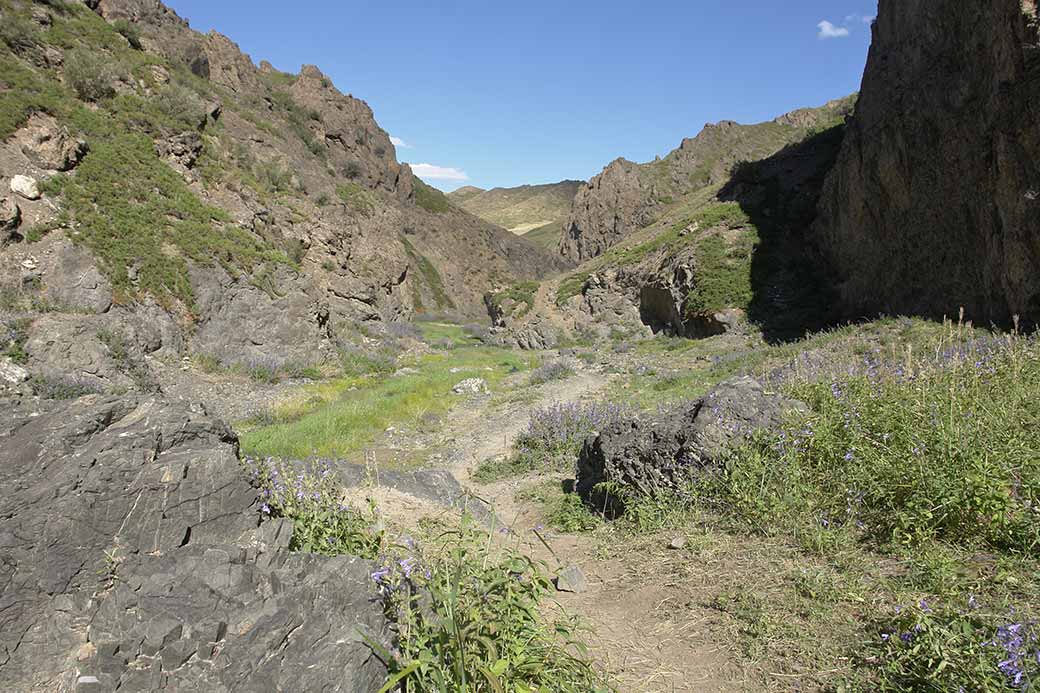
(934, 203)
(654, 454)
(132, 557)
(627, 197)
(330, 232)
(612, 205)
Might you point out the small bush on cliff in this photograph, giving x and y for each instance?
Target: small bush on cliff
(129, 32)
(521, 294)
(89, 75)
(356, 198)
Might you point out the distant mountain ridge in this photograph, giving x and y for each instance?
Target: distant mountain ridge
(523, 209)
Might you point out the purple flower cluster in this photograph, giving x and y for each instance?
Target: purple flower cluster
(557, 370)
(1020, 642)
(981, 353)
(562, 428)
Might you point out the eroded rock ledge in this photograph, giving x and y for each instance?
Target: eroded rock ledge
(132, 557)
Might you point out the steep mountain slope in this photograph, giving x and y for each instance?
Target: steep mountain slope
(522, 209)
(732, 245)
(201, 204)
(627, 196)
(934, 201)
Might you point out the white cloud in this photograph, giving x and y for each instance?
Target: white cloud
(438, 172)
(862, 18)
(399, 143)
(829, 31)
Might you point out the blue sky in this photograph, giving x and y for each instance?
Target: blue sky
(501, 93)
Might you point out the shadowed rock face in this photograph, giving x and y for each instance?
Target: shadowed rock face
(132, 557)
(935, 200)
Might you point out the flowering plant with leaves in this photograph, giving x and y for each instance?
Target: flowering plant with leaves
(956, 647)
(322, 521)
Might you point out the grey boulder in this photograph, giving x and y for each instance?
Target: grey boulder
(657, 454)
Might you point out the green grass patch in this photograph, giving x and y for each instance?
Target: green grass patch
(723, 273)
(547, 236)
(429, 198)
(356, 198)
(342, 416)
(563, 512)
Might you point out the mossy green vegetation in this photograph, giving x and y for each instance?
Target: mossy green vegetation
(135, 214)
(522, 294)
(723, 273)
(430, 199)
(356, 198)
(138, 216)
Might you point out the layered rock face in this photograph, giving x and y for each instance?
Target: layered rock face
(132, 557)
(934, 203)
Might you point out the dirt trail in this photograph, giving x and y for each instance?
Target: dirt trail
(650, 635)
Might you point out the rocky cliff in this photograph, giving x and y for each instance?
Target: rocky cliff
(627, 197)
(933, 203)
(159, 184)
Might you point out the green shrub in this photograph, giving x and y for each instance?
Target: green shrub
(472, 623)
(352, 170)
(63, 387)
(723, 274)
(13, 338)
(129, 32)
(322, 523)
(90, 75)
(182, 105)
(18, 33)
(947, 647)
